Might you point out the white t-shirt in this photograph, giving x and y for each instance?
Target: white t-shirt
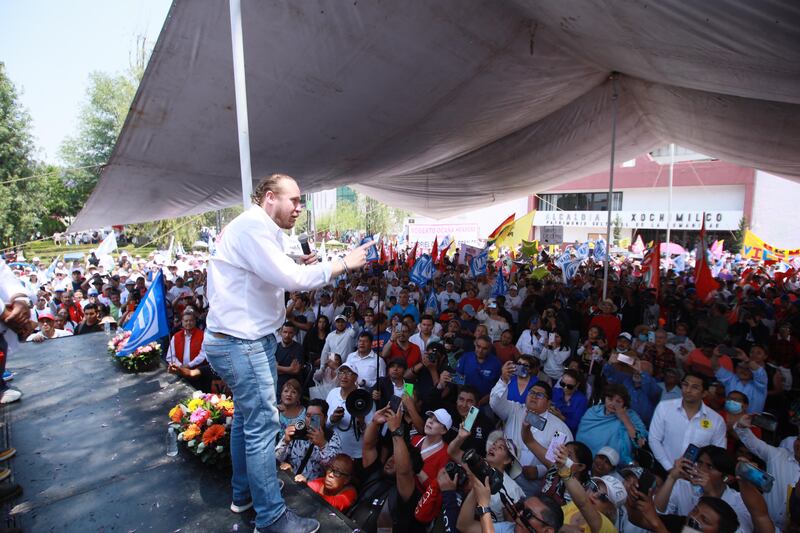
(344, 429)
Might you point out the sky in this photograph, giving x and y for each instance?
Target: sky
(50, 47)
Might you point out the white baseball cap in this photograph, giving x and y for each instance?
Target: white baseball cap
(442, 416)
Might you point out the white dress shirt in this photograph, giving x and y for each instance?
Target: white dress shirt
(445, 297)
(249, 274)
(782, 465)
(671, 431)
(529, 344)
(682, 500)
(513, 414)
(417, 339)
(366, 367)
(172, 356)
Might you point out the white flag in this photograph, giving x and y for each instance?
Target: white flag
(108, 245)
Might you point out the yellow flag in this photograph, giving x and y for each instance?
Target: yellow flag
(516, 232)
(624, 243)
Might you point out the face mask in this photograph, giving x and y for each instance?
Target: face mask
(692, 525)
(643, 337)
(733, 407)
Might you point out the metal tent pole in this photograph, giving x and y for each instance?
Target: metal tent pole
(240, 88)
(614, 97)
(669, 200)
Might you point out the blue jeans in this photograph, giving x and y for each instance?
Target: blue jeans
(250, 370)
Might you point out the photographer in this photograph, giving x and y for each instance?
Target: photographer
(433, 376)
(389, 493)
(313, 440)
(501, 454)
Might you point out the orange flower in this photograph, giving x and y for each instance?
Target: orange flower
(176, 414)
(213, 434)
(191, 432)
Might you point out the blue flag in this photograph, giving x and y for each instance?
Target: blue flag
(679, 264)
(600, 250)
(479, 263)
(500, 288)
(423, 270)
(570, 269)
(372, 251)
(432, 302)
(149, 322)
(583, 250)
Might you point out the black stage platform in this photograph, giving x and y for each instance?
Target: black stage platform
(91, 456)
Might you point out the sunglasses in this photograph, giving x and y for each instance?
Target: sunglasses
(595, 488)
(539, 395)
(338, 473)
(568, 386)
(525, 513)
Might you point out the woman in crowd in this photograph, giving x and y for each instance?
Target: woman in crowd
(613, 424)
(553, 356)
(315, 340)
(290, 408)
(570, 398)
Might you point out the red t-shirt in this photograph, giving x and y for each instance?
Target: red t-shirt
(610, 325)
(436, 461)
(341, 501)
(505, 353)
(411, 354)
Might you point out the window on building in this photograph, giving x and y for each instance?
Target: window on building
(579, 201)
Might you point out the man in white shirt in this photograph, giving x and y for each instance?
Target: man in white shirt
(513, 415)
(15, 312)
(448, 294)
(340, 341)
(425, 334)
(343, 424)
(687, 420)
(247, 279)
(365, 362)
(530, 342)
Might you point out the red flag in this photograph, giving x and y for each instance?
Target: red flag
(651, 266)
(435, 249)
(442, 256)
(382, 257)
(704, 282)
(412, 256)
(504, 224)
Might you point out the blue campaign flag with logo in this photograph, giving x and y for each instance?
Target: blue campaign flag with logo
(423, 270)
(372, 251)
(569, 270)
(679, 264)
(432, 302)
(583, 250)
(149, 322)
(600, 250)
(500, 287)
(479, 264)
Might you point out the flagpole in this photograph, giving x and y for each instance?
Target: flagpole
(611, 180)
(240, 90)
(669, 200)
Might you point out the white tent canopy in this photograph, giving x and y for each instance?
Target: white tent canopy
(443, 106)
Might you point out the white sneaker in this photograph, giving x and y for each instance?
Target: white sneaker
(10, 396)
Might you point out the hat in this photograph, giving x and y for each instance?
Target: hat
(450, 282)
(353, 369)
(397, 361)
(625, 335)
(615, 489)
(610, 302)
(412, 284)
(516, 467)
(47, 314)
(491, 304)
(130, 281)
(636, 471)
(513, 286)
(610, 454)
(340, 317)
(469, 310)
(59, 289)
(442, 416)
(93, 292)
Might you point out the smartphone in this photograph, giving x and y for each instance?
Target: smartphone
(628, 360)
(552, 449)
(315, 421)
(409, 389)
(395, 402)
(536, 421)
(757, 477)
(651, 336)
(551, 338)
(347, 311)
(692, 453)
(469, 421)
(647, 481)
(458, 379)
(764, 421)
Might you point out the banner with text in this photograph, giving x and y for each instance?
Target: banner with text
(687, 220)
(755, 248)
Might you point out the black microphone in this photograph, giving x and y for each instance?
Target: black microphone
(303, 238)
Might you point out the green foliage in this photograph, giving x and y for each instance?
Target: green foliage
(735, 244)
(617, 229)
(363, 214)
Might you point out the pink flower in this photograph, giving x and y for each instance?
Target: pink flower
(199, 416)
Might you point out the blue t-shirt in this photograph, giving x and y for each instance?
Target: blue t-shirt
(482, 376)
(410, 309)
(514, 395)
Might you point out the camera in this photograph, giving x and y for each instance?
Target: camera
(431, 357)
(482, 470)
(456, 473)
(300, 431)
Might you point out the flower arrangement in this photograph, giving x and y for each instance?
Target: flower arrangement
(202, 423)
(143, 358)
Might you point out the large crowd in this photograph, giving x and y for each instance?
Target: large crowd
(542, 408)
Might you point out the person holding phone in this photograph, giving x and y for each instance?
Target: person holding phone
(553, 355)
(321, 445)
(782, 464)
(613, 424)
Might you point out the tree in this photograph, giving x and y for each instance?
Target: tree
(21, 200)
(735, 245)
